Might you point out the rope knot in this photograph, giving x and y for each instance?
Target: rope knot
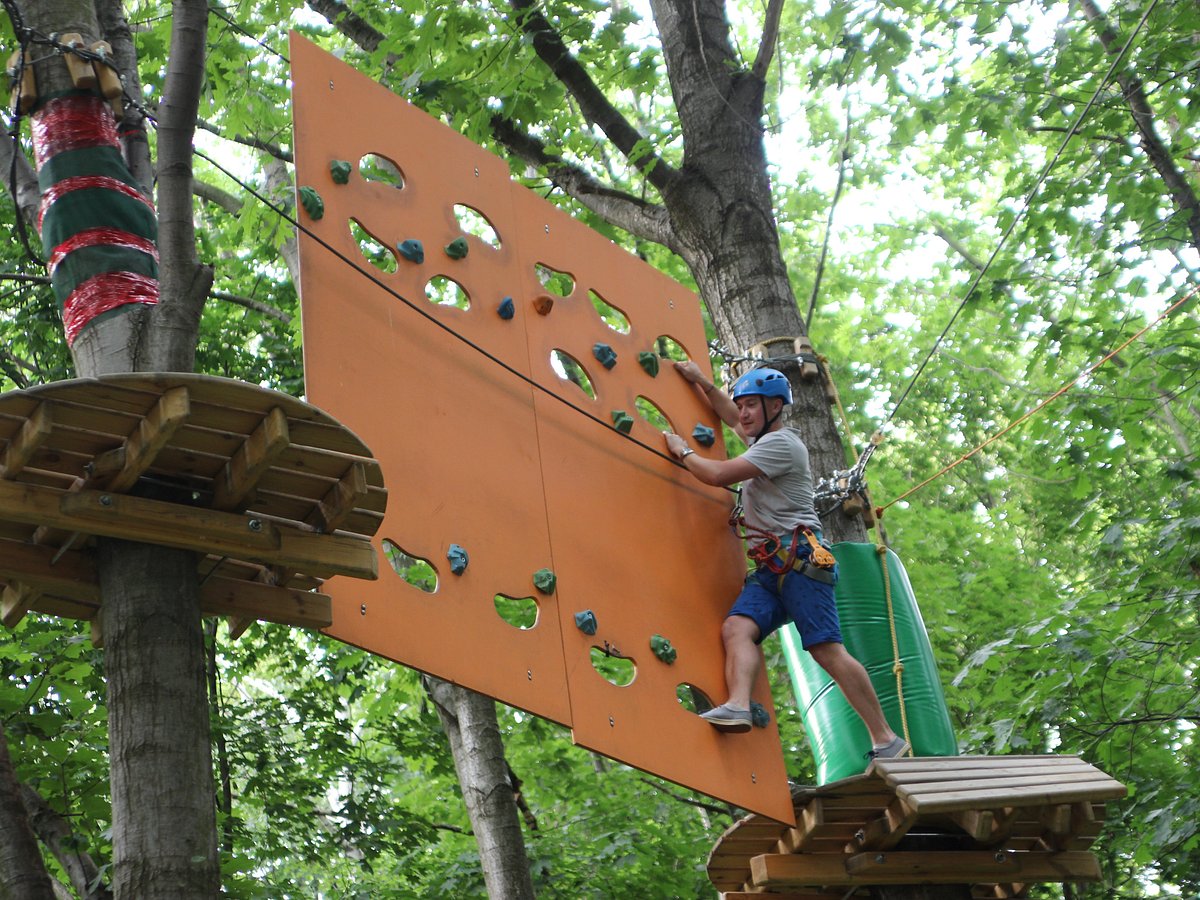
(898, 668)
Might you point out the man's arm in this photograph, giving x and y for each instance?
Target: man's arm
(717, 472)
(720, 401)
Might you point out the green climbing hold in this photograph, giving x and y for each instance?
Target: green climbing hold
(759, 716)
(704, 436)
(662, 649)
(457, 248)
(605, 354)
(412, 250)
(312, 202)
(622, 420)
(649, 362)
(585, 621)
(545, 581)
(339, 169)
(458, 559)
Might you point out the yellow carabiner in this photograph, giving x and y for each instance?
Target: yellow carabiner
(820, 556)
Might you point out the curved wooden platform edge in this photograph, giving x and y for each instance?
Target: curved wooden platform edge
(1007, 821)
(274, 494)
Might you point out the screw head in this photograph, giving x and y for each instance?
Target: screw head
(105, 500)
(362, 610)
(254, 524)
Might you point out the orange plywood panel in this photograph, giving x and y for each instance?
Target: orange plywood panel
(488, 447)
(455, 431)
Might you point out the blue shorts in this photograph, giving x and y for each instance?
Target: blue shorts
(807, 602)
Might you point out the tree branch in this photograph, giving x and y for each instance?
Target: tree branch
(596, 108)
(843, 158)
(56, 834)
(25, 191)
(636, 216)
(770, 36)
(250, 303)
(1143, 116)
(217, 197)
(699, 804)
(274, 149)
(110, 14)
(170, 344)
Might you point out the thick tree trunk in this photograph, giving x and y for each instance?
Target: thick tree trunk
(469, 720)
(164, 824)
(721, 209)
(164, 821)
(23, 875)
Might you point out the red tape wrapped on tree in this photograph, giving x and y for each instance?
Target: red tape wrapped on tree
(98, 228)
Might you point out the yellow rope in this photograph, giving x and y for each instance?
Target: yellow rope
(897, 665)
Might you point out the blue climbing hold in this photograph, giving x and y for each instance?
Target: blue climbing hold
(662, 648)
(704, 436)
(586, 621)
(412, 250)
(759, 716)
(506, 308)
(605, 354)
(458, 559)
(545, 581)
(649, 362)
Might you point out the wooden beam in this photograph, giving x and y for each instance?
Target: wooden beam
(888, 829)
(188, 528)
(1039, 792)
(73, 575)
(119, 470)
(959, 867)
(987, 826)
(236, 482)
(34, 432)
(343, 497)
(252, 600)
(908, 867)
(17, 599)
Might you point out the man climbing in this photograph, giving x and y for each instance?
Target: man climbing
(794, 578)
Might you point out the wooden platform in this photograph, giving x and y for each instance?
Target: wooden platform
(1009, 821)
(273, 493)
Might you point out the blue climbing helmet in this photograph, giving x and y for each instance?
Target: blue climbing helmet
(763, 383)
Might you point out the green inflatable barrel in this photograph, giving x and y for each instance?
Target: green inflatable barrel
(838, 736)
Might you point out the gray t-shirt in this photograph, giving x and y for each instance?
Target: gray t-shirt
(782, 497)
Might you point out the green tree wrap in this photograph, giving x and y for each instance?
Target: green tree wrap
(838, 736)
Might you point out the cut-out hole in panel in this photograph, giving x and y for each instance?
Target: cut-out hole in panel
(555, 282)
(616, 670)
(418, 572)
(669, 348)
(692, 698)
(519, 612)
(447, 292)
(376, 253)
(610, 315)
(652, 414)
(472, 221)
(381, 170)
(566, 367)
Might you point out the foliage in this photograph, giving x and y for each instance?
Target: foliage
(1057, 568)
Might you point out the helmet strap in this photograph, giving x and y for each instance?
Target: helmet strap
(768, 423)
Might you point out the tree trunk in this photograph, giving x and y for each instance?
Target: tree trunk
(23, 875)
(469, 720)
(164, 823)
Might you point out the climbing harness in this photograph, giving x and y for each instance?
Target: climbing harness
(814, 561)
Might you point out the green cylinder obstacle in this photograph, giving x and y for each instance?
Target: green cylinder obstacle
(839, 738)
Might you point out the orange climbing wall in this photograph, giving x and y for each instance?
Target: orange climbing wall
(483, 452)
